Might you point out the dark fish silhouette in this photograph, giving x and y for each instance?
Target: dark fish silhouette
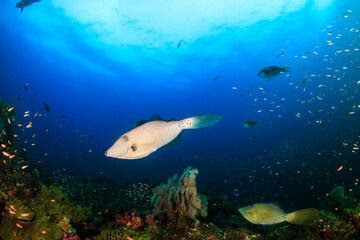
(251, 124)
(272, 71)
(47, 108)
(179, 44)
(217, 77)
(32, 97)
(281, 54)
(25, 3)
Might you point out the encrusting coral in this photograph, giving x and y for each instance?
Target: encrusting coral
(179, 197)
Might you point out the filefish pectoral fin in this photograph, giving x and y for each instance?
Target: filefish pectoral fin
(22, 10)
(133, 147)
(175, 142)
(142, 147)
(302, 217)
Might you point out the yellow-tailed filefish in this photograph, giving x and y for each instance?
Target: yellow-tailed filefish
(268, 214)
(147, 138)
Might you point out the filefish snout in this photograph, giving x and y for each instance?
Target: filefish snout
(119, 148)
(127, 147)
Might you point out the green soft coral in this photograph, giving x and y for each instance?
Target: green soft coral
(53, 202)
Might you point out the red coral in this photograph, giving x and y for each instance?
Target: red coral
(149, 219)
(70, 236)
(131, 220)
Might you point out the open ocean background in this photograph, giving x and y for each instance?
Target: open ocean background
(102, 65)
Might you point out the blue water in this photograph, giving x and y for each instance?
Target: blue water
(104, 65)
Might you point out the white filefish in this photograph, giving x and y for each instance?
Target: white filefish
(147, 138)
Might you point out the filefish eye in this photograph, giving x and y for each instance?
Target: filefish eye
(125, 138)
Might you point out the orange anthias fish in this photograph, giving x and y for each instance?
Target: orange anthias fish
(147, 138)
(268, 214)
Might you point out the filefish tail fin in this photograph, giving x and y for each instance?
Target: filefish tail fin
(303, 217)
(200, 121)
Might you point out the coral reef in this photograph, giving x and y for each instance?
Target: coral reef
(336, 201)
(327, 226)
(130, 220)
(41, 228)
(30, 210)
(7, 117)
(64, 224)
(46, 215)
(91, 192)
(70, 236)
(179, 197)
(113, 231)
(150, 219)
(34, 210)
(194, 230)
(51, 201)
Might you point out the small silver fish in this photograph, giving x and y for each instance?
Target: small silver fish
(147, 138)
(268, 214)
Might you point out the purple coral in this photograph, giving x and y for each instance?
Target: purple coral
(70, 236)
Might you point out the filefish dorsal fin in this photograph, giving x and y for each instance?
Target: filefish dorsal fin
(154, 117)
(140, 122)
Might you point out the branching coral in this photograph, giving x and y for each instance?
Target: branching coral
(179, 197)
